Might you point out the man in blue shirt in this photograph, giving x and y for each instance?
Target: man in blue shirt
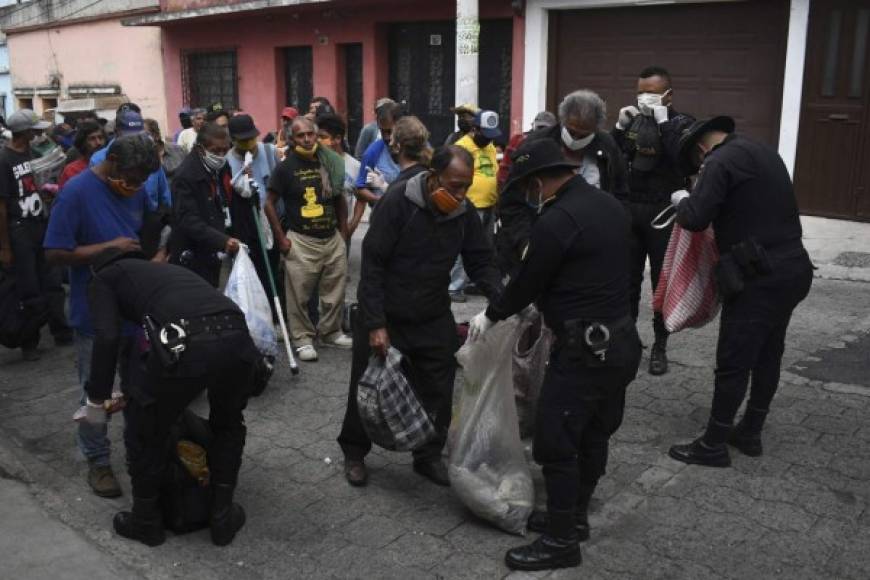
(378, 168)
(100, 208)
(157, 185)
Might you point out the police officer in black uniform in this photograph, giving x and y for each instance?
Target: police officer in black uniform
(764, 272)
(576, 270)
(198, 340)
(649, 138)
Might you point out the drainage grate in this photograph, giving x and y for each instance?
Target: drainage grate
(853, 259)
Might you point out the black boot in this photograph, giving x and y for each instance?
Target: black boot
(658, 356)
(746, 436)
(143, 524)
(227, 517)
(708, 450)
(559, 548)
(539, 521)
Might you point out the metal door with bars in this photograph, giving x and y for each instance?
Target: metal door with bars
(210, 77)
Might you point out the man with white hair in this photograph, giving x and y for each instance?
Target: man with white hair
(582, 140)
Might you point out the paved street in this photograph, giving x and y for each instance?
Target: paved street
(798, 512)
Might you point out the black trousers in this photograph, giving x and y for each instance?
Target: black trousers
(646, 241)
(218, 363)
(38, 283)
(752, 336)
(430, 347)
(579, 409)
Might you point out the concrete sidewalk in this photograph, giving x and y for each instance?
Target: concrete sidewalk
(839, 248)
(34, 545)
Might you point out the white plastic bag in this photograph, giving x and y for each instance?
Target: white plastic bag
(487, 465)
(244, 288)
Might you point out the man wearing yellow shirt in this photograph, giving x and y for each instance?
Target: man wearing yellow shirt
(483, 193)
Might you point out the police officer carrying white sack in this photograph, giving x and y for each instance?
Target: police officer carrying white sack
(576, 270)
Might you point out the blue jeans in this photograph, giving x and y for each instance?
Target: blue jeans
(458, 277)
(93, 440)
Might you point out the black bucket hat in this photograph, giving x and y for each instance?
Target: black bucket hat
(536, 155)
(690, 136)
(644, 131)
(242, 127)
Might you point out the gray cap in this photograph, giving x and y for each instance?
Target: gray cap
(544, 120)
(24, 119)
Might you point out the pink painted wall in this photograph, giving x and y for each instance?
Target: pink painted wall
(98, 52)
(259, 37)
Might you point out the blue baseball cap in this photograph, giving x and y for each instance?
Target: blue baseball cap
(488, 123)
(129, 123)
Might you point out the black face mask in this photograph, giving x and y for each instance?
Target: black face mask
(481, 141)
(464, 125)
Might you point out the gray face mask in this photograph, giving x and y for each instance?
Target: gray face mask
(212, 162)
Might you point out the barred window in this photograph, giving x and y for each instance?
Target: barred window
(210, 77)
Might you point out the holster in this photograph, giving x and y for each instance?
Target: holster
(745, 261)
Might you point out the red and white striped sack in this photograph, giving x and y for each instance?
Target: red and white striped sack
(686, 294)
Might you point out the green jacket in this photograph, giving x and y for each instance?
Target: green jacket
(333, 163)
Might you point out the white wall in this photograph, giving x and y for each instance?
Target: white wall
(535, 72)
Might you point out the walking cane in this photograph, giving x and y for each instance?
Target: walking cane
(294, 368)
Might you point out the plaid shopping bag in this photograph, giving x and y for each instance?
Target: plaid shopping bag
(686, 294)
(391, 414)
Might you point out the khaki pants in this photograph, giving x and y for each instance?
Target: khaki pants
(315, 263)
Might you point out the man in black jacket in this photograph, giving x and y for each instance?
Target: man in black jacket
(197, 340)
(576, 271)
(649, 137)
(208, 216)
(594, 152)
(416, 233)
(764, 272)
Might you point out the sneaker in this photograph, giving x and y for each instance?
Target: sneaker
(102, 480)
(341, 341)
(306, 353)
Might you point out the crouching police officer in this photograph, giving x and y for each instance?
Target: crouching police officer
(198, 339)
(576, 269)
(764, 272)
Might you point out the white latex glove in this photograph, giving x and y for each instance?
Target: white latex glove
(626, 114)
(678, 196)
(660, 114)
(478, 325)
(375, 180)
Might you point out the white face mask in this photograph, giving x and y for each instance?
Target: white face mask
(576, 144)
(646, 102)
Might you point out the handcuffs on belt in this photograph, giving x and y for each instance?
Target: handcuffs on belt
(593, 337)
(168, 341)
(597, 338)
